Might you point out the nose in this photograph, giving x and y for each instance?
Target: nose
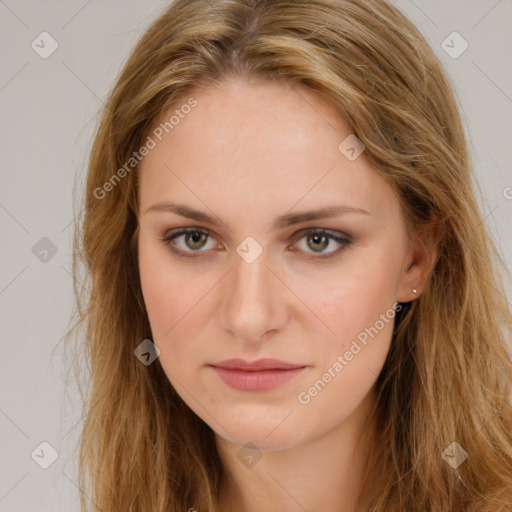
(254, 302)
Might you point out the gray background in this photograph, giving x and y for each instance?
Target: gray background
(48, 112)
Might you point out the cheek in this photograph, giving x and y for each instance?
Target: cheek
(351, 300)
(163, 288)
(175, 297)
(361, 313)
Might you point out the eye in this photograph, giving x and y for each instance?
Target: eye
(195, 240)
(320, 239)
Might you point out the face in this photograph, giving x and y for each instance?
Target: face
(317, 294)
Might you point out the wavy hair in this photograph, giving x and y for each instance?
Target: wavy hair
(447, 377)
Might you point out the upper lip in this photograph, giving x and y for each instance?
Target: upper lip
(259, 364)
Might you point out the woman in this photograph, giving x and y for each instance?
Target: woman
(339, 341)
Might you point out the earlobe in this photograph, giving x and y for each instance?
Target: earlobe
(408, 297)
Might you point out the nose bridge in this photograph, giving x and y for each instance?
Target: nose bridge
(253, 304)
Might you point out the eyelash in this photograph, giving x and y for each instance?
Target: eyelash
(344, 241)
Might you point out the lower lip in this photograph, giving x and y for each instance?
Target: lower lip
(261, 380)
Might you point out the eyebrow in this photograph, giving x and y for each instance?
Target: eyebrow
(280, 222)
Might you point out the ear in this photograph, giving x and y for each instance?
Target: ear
(420, 261)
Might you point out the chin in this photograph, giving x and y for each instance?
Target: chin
(250, 437)
(266, 432)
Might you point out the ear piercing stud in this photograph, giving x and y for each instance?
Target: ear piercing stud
(415, 291)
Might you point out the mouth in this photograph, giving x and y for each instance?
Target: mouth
(260, 375)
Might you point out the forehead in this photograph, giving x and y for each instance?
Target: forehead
(258, 145)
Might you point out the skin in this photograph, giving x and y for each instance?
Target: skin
(248, 153)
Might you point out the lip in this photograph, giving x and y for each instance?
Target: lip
(258, 364)
(260, 375)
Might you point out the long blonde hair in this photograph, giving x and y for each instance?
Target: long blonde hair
(447, 377)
